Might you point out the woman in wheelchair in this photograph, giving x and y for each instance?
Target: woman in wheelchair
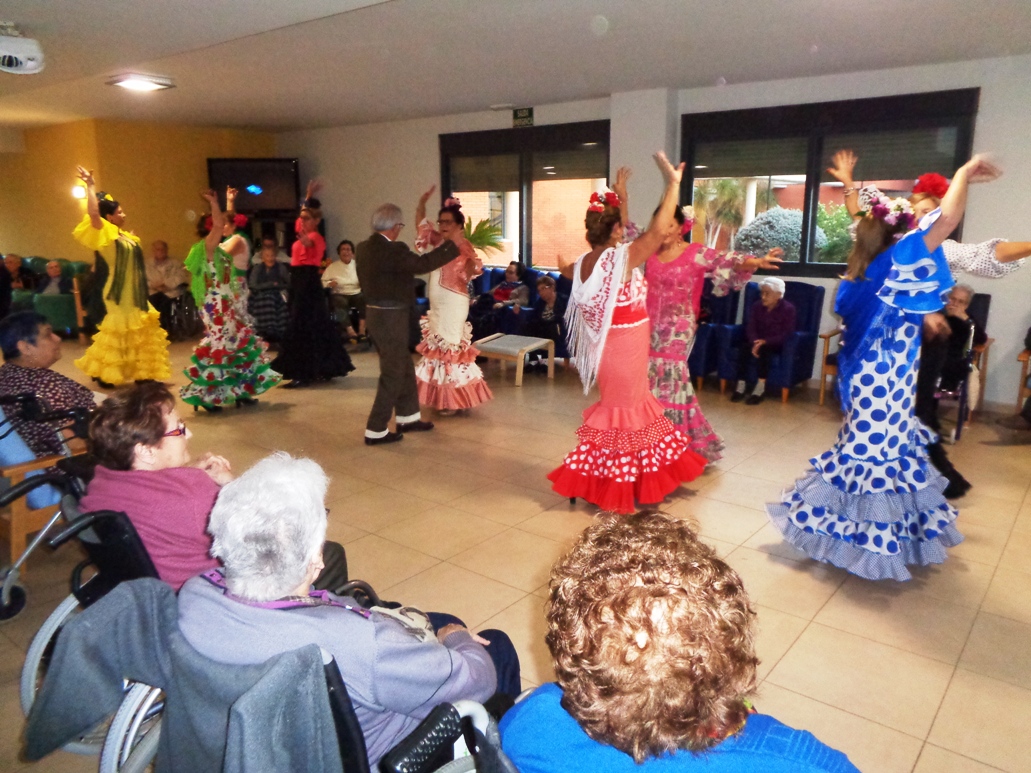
(268, 527)
(145, 470)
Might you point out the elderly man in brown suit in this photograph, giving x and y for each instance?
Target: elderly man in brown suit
(386, 273)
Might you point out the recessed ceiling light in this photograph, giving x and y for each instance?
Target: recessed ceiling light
(552, 172)
(590, 144)
(701, 166)
(548, 167)
(137, 82)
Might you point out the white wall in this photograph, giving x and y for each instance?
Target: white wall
(366, 165)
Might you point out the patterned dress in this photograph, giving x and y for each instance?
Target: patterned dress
(674, 298)
(628, 451)
(230, 363)
(873, 503)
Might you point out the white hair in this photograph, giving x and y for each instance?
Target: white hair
(775, 283)
(268, 525)
(965, 288)
(386, 217)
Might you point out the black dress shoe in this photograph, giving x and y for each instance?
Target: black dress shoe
(415, 426)
(737, 397)
(390, 437)
(755, 399)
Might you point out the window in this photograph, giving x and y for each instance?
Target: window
(758, 177)
(532, 183)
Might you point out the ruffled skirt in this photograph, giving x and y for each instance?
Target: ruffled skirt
(129, 345)
(230, 363)
(671, 384)
(447, 375)
(628, 451)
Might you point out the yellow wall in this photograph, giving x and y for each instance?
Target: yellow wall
(37, 211)
(155, 171)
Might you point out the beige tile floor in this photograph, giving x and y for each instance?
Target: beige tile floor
(930, 675)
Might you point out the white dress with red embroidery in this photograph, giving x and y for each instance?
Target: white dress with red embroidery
(447, 375)
(629, 452)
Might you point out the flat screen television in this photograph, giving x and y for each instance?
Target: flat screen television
(267, 186)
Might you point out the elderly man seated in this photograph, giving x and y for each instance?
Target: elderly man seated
(30, 347)
(53, 283)
(770, 321)
(652, 638)
(268, 527)
(145, 470)
(167, 279)
(21, 277)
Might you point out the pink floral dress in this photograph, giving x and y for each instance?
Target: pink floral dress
(674, 298)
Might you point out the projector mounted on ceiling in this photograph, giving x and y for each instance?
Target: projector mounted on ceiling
(18, 55)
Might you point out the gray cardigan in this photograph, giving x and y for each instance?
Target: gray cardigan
(207, 725)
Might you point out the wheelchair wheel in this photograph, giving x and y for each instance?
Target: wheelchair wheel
(132, 739)
(14, 606)
(36, 662)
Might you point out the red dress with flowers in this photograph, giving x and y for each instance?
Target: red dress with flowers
(230, 363)
(628, 449)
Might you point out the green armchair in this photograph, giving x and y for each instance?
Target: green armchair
(63, 312)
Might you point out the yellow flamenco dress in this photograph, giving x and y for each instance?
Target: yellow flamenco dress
(130, 344)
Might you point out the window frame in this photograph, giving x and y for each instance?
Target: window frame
(524, 142)
(814, 122)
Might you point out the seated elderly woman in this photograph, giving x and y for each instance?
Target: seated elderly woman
(652, 639)
(144, 470)
(268, 527)
(770, 321)
(30, 347)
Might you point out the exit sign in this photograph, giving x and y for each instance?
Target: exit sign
(522, 116)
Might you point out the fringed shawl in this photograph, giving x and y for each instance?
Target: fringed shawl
(589, 315)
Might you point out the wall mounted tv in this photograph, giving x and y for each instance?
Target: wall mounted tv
(267, 186)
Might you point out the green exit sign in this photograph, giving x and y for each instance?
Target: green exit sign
(522, 116)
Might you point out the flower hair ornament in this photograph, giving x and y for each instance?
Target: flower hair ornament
(688, 212)
(602, 199)
(898, 213)
(239, 221)
(451, 201)
(931, 183)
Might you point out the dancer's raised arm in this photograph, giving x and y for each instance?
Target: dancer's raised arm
(954, 203)
(650, 241)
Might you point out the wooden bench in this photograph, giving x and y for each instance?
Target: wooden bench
(510, 348)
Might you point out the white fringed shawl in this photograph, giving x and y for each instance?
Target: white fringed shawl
(589, 315)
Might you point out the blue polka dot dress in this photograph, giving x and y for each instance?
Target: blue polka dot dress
(873, 503)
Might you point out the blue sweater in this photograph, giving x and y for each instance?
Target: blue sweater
(540, 737)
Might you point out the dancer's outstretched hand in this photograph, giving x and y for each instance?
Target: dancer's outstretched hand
(619, 186)
(671, 174)
(426, 196)
(981, 170)
(844, 161)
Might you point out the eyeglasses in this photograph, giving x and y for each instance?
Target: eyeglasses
(445, 222)
(178, 431)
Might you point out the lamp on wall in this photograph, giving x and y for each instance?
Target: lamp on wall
(79, 191)
(137, 82)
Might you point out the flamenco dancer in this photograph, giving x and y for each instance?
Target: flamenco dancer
(873, 504)
(229, 366)
(311, 349)
(676, 273)
(628, 449)
(448, 377)
(238, 248)
(130, 344)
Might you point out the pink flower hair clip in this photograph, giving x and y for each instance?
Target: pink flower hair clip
(452, 201)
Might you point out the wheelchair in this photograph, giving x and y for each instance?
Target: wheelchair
(114, 554)
(184, 319)
(75, 470)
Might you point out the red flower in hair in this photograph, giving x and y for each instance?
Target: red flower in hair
(600, 200)
(239, 221)
(931, 183)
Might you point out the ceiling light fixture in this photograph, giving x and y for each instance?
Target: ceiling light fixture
(137, 82)
(548, 167)
(79, 191)
(589, 144)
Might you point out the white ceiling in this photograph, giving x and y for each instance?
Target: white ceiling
(288, 64)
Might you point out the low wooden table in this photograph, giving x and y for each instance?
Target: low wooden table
(506, 348)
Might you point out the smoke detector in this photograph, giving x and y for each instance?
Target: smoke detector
(18, 54)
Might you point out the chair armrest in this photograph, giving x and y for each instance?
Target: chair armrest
(981, 352)
(1023, 356)
(830, 334)
(18, 471)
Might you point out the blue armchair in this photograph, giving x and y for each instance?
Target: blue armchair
(794, 364)
(704, 358)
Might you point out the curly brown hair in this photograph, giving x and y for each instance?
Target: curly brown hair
(599, 225)
(652, 637)
(131, 414)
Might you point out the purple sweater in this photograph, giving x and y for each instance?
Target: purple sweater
(771, 325)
